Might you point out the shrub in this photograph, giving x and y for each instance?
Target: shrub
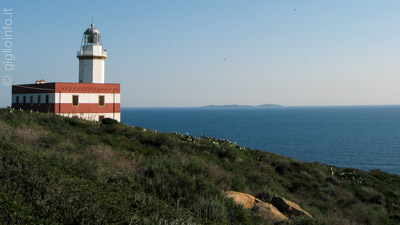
(369, 195)
(238, 183)
(108, 121)
(211, 209)
(266, 194)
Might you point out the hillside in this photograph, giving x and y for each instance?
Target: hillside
(56, 170)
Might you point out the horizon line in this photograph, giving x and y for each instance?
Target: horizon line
(255, 106)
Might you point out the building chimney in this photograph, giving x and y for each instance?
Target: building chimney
(40, 81)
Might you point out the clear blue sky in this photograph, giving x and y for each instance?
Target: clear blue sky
(193, 53)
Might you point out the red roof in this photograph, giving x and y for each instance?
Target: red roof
(65, 88)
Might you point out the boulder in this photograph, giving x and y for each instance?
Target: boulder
(269, 212)
(288, 207)
(246, 200)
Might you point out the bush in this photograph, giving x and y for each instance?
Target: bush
(211, 209)
(108, 121)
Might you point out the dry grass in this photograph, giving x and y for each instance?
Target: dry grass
(211, 171)
(27, 135)
(66, 145)
(100, 153)
(4, 128)
(113, 162)
(217, 176)
(337, 218)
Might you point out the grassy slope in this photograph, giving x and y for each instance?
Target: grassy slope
(69, 171)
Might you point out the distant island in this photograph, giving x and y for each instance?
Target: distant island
(243, 106)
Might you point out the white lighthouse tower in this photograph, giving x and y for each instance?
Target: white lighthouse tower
(91, 57)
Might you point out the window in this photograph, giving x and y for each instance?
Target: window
(31, 100)
(101, 117)
(17, 100)
(38, 99)
(47, 99)
(75, 100)
(101, 100)
(24, 100)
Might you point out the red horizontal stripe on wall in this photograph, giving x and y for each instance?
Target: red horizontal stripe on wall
(68, 108)
(87, 108)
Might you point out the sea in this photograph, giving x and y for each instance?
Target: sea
(362, 137)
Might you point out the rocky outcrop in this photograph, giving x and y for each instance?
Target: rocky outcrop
(246, 200)
(277, 212)
(269, 212)
(258, 207)
(289, 208)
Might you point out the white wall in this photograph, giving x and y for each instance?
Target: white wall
(94, 116)
(96, 50)
(87, 97)
(92, 70)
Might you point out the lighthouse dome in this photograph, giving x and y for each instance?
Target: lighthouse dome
(91, 36)
(92, 30)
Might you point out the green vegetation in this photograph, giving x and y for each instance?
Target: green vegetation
(56, 170)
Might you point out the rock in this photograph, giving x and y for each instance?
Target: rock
(246, 200)
(288, 207)
(269, 212)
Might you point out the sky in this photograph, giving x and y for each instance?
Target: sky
(182, 53)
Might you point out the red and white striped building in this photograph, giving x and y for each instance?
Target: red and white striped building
(90, 99)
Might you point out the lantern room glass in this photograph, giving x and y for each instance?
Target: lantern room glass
(92, 39)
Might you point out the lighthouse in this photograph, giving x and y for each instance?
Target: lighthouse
(91, 57)
(90, 98)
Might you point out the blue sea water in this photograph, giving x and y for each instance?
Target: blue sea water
(363, 137)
